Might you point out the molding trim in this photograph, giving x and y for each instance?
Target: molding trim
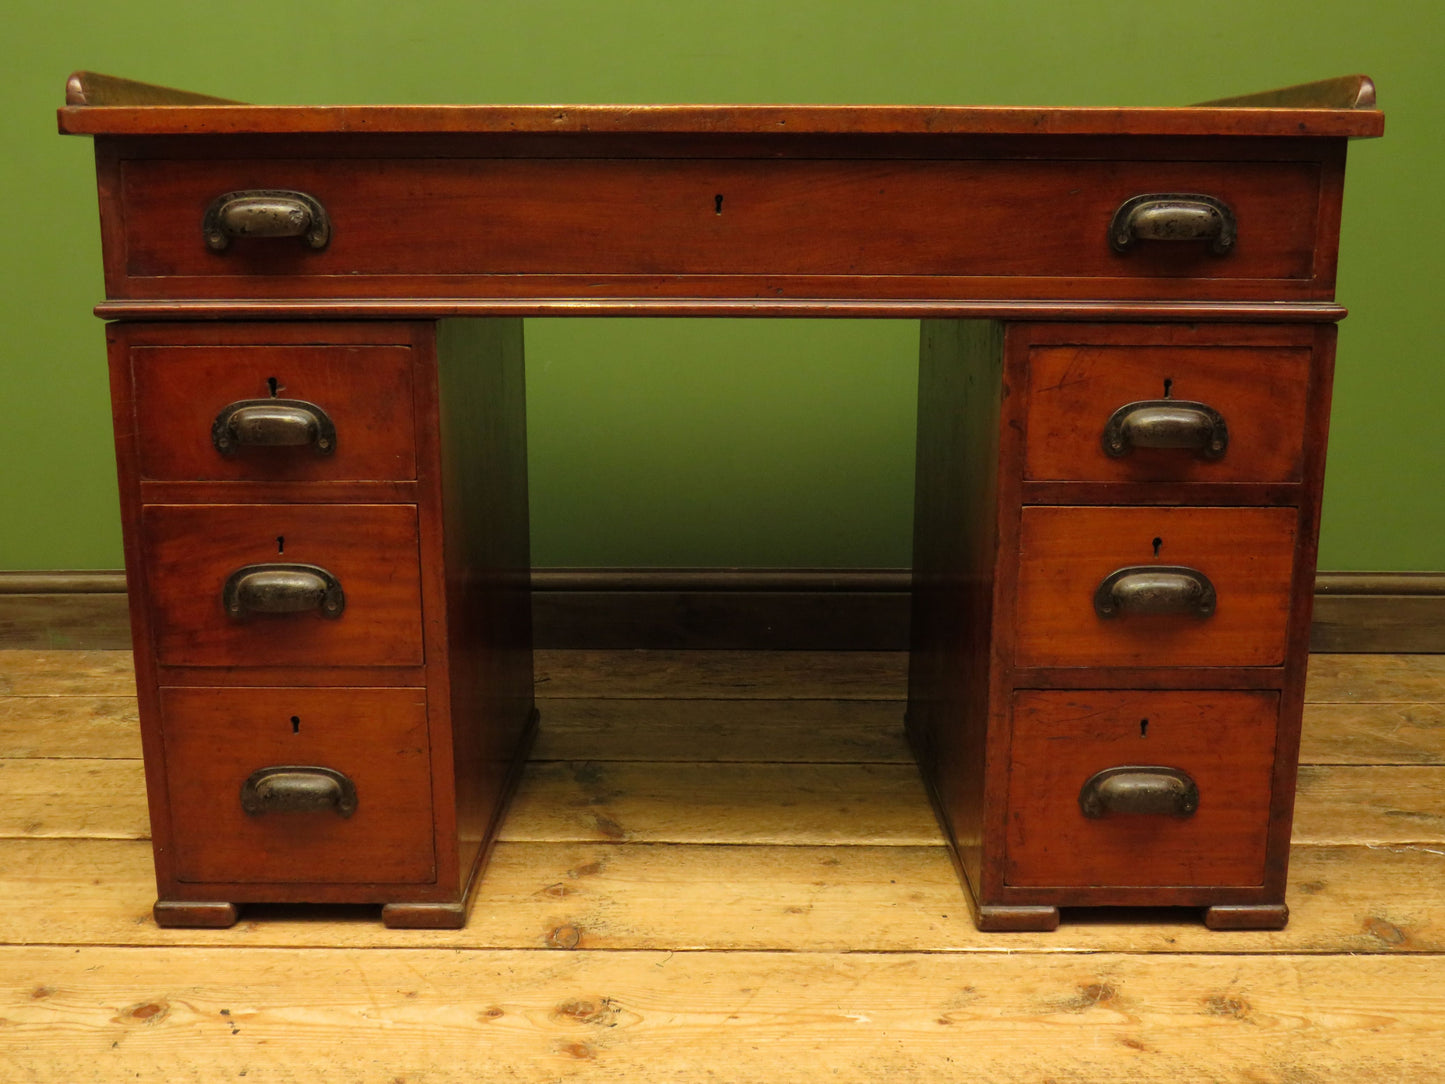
(48, 610)
(710, 608)
(62, 583)
(757, 609)
(1379, 611)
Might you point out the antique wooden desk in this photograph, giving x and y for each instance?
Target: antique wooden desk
(316, 364)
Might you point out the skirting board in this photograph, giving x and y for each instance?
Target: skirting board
(758, 609)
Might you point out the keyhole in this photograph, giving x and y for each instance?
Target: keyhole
(281, 543)
(296, 724)
(1143, 728)
(1168, 386)
(1157, 543)
(717, 205)
(274, 385)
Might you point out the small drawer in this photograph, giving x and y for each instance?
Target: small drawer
(241, 585)
(353, 806)
(274, 413)
(1189, 587)
(1184, 798)
(1143, 413)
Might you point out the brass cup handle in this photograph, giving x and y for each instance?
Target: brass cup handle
(1173, 216)
(282, 589)
(266, 212)
(293, 788)
(1157, 791)
(1155, 589)
(273, 423)
(1166, 423)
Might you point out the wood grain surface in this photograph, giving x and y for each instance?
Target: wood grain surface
(366, 392)
(1075, 389)
(353, 1014)
(1065, 553)
(828, 947)
(715, 897)
(370, 550)
(1290, 119)
(776, 219)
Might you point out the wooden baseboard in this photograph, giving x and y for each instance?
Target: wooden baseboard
(1379, 611)
(44, 610)
(847, 610)
(759, 609)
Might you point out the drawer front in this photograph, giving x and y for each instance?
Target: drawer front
(1066, 555)
(774, 218)
(1126, 413)
(355, 806)
(369, 551)
(1139, 831)
(211, 412)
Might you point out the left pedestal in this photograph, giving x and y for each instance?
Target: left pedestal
(327, 557)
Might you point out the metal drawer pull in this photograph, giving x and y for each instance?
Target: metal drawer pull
(273, 423)
(266, 212)
(1173, 216)
(282, 589)
(1166, 423)
(1155, 589)
(298, 789)
(1149, 790)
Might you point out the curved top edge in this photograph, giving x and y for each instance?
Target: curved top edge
(1342, 92)
(92, 90)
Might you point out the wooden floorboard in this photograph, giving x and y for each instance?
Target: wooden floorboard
(786, 804)
(69, 726)
(702, 731)
(791, 804)
(1373, 734)
(738, 803)
(109, 1013)
(720, 867)
(66, 673)
(728, 898)
(732, 675)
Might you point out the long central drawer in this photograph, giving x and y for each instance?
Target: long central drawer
(773, 219)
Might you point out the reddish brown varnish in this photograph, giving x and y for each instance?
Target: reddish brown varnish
(436, 626)
(1065, 553)
(1224, 741)
(363, 390)
(991, 225)
(377, 738)
(597, 227)
(1009, 736)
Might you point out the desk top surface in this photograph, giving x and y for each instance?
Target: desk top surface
(105, 105)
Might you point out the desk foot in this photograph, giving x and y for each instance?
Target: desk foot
(189, 913)
(1017, 919)
(424, 916)
(453, 915)
(1253, 916)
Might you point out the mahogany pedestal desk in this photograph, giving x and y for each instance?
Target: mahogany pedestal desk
(316, 364)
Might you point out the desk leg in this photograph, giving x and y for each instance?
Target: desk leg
(427, 712)
(954, 662)
(1025, 690)
(480, 477)
(190, 914)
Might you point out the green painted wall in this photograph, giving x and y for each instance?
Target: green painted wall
(675, 443)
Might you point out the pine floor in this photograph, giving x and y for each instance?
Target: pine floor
(721, 866)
